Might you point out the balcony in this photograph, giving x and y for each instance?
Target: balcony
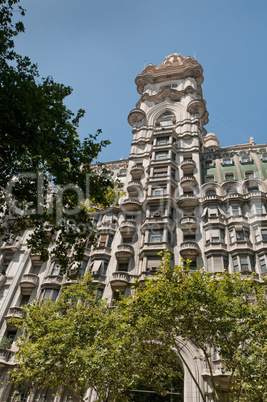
(131, 204)
(28, 283)
(188, 181)
(255, 195)
(68, 281)
(233, 197)
(119, 280)
(124, 252)
(14, 312)
(127, 227)
(188, 166)
(36, 261)
(52, 281)
(261, 246)
(134, 187)
(215, 247)
(135, 116)
(153, 248)
(214, 198)
(7, 358)
(101, 252)
(146, 275)
(189, 223)
(10, 248)
(241, 245)
(197, 106)
(188, 200)
(136, 172)
(106, 226)
(189, 249)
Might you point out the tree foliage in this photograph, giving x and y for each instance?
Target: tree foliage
(80, 342)
(73, 342)
(223, 313)
(45, 177)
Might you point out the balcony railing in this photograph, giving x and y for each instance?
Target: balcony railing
(53, 281)
(124, 252)
(119, 279)
(189, 249)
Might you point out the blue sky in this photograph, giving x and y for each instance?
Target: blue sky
(99, 47)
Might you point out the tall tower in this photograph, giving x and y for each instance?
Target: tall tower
(168, 130)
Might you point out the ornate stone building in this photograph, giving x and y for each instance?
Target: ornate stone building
(184, 193)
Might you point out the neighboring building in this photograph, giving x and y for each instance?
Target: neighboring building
(184, 193)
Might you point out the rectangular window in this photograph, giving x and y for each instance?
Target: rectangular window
(209, 178)
(246, 159)
(152, 263)
(213, 211)
(235, 264)
(99, 293)
(253, 189)
(257, 234)
(102, 241)
(83, 267)
(162, 190)
(156, 236)
(209, 163)
(159, 156)
(235, 210)
(229, 176)
(218, 263)
(55, 270)
(249, 175)
(227, 162)
(244, 263)
(104, 267)
(166, 123)
(264, 234)
(215, 235)
(259, 209)
(263, 264)
(50, 294)
(160, 171)
(123, 267)
(110, 239)
(163, 141)
(239, 235)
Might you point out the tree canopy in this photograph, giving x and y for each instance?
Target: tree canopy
(139, 342)
(46, 182)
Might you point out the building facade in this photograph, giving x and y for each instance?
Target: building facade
(183, 192)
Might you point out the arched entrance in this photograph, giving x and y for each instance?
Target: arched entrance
(174, 391)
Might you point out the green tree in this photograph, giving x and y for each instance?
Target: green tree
(46, 182)
(79, 342)
(224, 313)
(70, 343)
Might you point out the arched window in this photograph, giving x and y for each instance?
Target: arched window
(166, 119)
(211, 192)
(231, 190)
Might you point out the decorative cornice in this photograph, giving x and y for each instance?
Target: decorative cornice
(167, 92)
(173, 67)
